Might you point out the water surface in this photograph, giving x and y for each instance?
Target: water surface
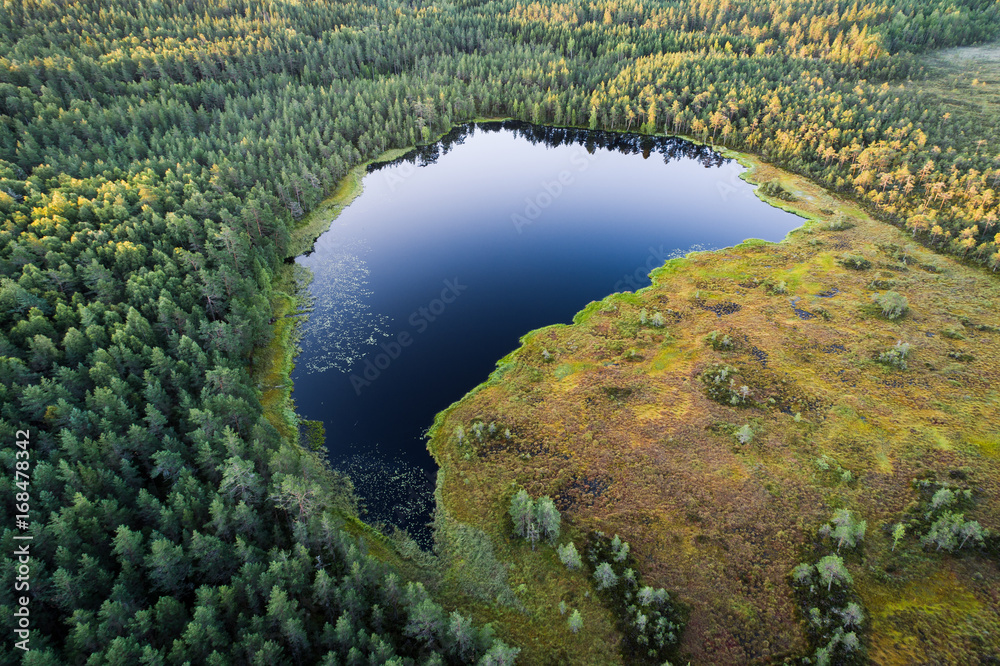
(457, 249)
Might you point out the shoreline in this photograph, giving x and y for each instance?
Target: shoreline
(277, 359)
(279, 354)
(274, 373)
(480, 509)
(475, 578)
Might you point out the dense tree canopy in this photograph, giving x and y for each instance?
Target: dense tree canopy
(154, 158)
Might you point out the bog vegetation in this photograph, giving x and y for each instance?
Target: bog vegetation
(155, 159)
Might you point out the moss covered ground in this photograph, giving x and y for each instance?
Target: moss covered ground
(967, 80)
(617, 427)
(612, 418)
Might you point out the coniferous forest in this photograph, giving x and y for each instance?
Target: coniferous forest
(155, 161)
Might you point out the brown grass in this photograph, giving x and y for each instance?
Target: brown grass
(618, 429)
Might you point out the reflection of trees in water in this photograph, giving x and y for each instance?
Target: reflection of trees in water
(394, 492)
(671, 148)
(342, 327)
(429, 154)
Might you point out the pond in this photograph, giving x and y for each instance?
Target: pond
(455, 250)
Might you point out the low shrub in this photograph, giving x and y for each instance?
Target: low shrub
(840, 223)
(720, 341)
(773, 189)
(832, 470)
(896, 356)
(953, 333)
(881, 283)
(720, 385)
(894, 305)
(854, 261)
(776, 288)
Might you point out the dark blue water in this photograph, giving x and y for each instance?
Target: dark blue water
(456, 250)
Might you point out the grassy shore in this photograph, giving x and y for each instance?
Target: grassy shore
(273, 363)
(618, 429)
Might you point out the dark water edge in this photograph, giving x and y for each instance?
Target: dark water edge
(456, 249)
(669, 147)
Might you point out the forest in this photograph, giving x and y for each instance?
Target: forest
(155, 160)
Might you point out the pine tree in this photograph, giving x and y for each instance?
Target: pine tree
(575, 621)
(831, 570)
(522, 512)
(548, 519)
(605, 576)
(569, 556)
